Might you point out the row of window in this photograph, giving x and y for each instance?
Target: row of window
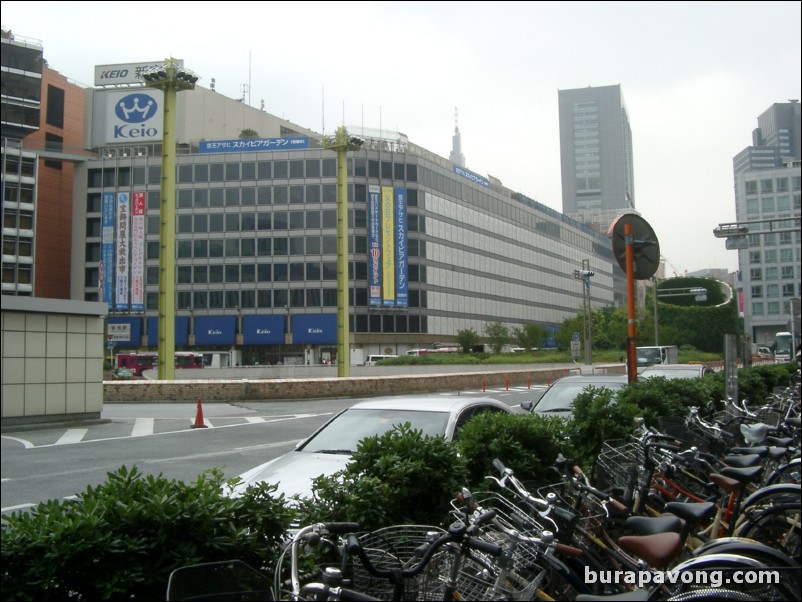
(773, 290)
(786, 272)
(786, 255)
(769, 185)
(115, 175)
(771, 204)
(770, 308)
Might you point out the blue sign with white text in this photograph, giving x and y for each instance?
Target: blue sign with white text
(262, 330)
(314, 329)
(249, 145)
(215, 330)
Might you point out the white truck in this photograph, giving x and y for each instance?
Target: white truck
(657, 354)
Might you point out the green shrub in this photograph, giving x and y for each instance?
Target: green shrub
(659, 396)
(528, 444)
(400, 477)
(598, 417)
(123, 538)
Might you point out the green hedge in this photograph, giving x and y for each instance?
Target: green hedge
(122, 539)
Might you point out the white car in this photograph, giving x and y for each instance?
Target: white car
(329, 449)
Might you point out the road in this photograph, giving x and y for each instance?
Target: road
(57, 463)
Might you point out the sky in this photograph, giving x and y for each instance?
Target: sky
(694, 77)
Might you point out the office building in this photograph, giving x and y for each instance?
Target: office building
(42, 138)
(767, 202)
(596, 156)
(435, 248)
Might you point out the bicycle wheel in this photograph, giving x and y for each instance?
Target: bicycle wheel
(787, 473)
(777, 526)
(714, 595)
(790, 582)
(716, 571)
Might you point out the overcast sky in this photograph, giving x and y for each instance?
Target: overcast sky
(694, 75)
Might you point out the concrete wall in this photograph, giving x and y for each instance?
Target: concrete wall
(52, 360)
(240, 389)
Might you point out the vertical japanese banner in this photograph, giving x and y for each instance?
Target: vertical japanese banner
(138, 251)
(374, 246)
(105, 277)
(401, 281)
(121, 276)
(388, 251)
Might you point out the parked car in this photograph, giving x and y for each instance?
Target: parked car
(123, 374)
(765, 353)
(676, 371)
(329, 448)
(559, 397)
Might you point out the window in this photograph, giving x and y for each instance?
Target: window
(55, 106)
(751, 187)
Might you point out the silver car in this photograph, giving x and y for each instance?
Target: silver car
(329, 449)
(559, 397)
(676, 371)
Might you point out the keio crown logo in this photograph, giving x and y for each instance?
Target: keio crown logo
(136, 108)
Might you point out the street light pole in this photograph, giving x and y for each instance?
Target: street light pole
(341, 143)
(584, 275)
(170, 77)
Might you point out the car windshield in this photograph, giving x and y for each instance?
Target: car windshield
(560, 397)
(344, 432)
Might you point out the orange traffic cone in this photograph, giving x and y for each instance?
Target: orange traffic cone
(199, 417)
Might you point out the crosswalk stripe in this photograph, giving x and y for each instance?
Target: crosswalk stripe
(143, 427)
(72, 436)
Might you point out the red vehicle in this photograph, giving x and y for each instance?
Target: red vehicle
(145, 360)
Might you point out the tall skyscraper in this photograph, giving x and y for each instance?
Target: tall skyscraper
(767, 202)
(595, 151)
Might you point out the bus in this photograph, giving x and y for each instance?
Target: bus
(138, 361)
(783, 347)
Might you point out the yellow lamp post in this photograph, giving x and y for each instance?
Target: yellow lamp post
(170, 77)
(341, 143)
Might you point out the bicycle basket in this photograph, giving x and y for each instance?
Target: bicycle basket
(394, 547)
(589, 511)
(617, 467)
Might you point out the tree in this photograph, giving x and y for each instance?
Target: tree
(529, 336)
(498, 334)
(248, 133)
(467, 338)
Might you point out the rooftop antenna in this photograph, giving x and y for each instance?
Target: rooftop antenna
(249, 78)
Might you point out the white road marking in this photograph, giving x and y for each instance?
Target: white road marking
(72, 436)
(143, 427)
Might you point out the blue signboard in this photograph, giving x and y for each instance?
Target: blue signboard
(215, 330)
(374, 246)
(471, 176)
(401, 270)
(106, 268)
(314, 329)
(135, 323)
(251, 145)
(181, 330)
(262, 330)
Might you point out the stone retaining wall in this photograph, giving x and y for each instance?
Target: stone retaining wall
(317, 388)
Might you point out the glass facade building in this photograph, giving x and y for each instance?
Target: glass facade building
(256, 248)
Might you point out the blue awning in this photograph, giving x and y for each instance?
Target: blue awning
(215, 330)
(181, 330)
(314, 329)
(262, 330)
